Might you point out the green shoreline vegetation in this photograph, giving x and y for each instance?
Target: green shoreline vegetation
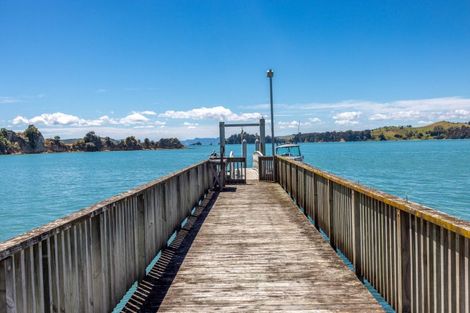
(438, 130)
(32, 141)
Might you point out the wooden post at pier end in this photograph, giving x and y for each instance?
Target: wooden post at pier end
(262, 135)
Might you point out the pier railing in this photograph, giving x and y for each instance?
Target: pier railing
(264, 165)
(86, 262)
(417, 258)
(235, 170)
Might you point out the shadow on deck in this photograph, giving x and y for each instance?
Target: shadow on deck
(251, 249)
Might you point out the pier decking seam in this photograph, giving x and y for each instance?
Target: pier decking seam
(256, 251)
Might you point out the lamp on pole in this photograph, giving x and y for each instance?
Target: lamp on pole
(270, 75)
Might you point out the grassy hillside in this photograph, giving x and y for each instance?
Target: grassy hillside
(438, 130)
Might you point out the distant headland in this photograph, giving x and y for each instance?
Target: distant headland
(438, 130)
(32, 141)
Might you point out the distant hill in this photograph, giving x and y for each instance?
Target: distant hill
(438, 130)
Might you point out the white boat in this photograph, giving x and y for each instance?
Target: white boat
(292, 151)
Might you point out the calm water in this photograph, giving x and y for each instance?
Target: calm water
(36, 189)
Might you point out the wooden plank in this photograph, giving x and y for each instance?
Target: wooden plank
(7, 288)
(356, 233)
(257, 251)
(315, 202)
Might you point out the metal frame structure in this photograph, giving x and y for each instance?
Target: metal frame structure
(222, 126)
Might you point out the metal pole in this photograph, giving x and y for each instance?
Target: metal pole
(270, 75)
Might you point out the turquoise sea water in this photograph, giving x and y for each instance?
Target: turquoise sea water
(36, 189)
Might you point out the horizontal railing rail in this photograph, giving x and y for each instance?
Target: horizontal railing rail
(86, 261)
(417, 258)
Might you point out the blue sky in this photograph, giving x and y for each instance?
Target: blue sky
(175, 68)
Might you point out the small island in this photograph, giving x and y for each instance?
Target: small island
(32, 141)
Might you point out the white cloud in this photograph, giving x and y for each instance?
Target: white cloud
(62, 119)
(217, 113)
(103, 120)
(151, 113)
(452, 108)
(456, 114)
(413, 115)
(347, 118)
(190, 125)
(399, 115)
(57, 118)
(314, 120)
(19, 120)
(344, 114)
(291, 124)
(378, 117)
(134, 118)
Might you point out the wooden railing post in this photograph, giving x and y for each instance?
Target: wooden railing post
(7, 290)
(44, 254)
(404, 266)
(297, 186)
(331, 230)
(97, 263)
(140, 237)
(282, 167)
(296, 189)
(290, 179)
(356, 234)
(304, 192)
(260, 166)
(276, 177)
(315, 202)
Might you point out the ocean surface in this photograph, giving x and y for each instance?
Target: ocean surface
(37, 189)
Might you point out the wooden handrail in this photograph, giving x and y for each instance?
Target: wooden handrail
(442, 219)
(417, 258)
(86, 261)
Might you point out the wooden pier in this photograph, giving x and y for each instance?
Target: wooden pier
(257, 252)
(269, 242)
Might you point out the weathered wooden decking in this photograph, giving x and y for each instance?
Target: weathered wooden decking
(256, 251)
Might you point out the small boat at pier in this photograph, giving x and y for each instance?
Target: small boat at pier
(291, 151)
